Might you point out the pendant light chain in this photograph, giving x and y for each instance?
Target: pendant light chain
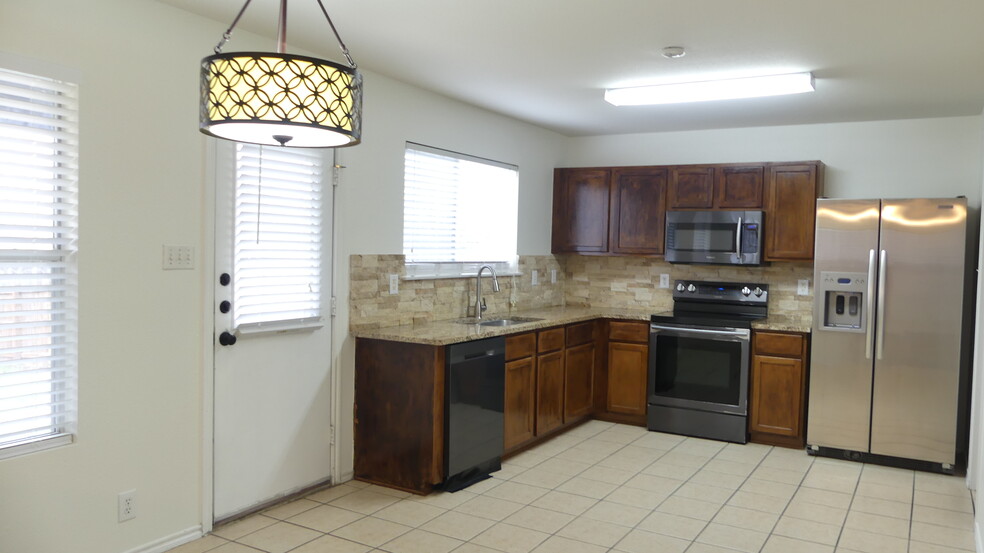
(331, 24)
(228, 34)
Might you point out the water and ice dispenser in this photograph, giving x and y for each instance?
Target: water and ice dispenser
(843, 300)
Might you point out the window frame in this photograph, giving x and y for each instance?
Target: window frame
(52, 92)
(417, 269)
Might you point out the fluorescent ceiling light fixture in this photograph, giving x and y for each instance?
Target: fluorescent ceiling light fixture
(726, 89)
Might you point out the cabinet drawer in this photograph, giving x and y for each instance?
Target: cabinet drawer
(782, 345)
(550, 340)
(628, 332)
(520, 345)
(580, 333)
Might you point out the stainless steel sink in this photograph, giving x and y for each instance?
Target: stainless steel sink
(509, 321)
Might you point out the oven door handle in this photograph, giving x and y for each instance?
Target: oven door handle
(738, 332)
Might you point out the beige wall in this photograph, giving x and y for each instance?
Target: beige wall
(141, 328)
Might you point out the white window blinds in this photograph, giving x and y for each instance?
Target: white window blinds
(458, 208)
(277, 237)
(38, 290)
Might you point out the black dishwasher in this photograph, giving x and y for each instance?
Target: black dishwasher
(473, 400)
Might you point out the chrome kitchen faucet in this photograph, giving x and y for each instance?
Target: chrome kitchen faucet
(479, 302)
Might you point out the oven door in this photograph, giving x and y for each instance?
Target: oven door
(703, 368)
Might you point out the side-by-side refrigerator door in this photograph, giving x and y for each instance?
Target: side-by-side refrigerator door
(914, 404)
(843, 333)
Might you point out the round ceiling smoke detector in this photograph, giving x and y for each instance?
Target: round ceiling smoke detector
(674, 52)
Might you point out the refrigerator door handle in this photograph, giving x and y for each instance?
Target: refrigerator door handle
(880, 329)
(869, 337)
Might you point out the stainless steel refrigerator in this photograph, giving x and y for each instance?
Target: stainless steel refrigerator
(885, 363)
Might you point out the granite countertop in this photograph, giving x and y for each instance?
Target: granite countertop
(440, 333)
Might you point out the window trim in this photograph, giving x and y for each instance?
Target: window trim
(65, 430)
(430, 270)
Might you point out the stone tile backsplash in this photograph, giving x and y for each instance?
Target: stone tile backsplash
(590, 281)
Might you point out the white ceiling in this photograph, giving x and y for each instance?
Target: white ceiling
(548, 62)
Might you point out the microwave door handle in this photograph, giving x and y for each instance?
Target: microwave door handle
(738, 240)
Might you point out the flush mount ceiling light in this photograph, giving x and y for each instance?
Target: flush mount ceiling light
(726, 89)
(279, 98)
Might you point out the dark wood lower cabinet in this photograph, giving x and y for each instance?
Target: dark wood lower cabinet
(518, 407)
(399, 414)
(627, 375)
(777, 402)
(578, 381)
(549, 391)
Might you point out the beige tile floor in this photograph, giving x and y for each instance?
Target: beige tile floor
(614, 488)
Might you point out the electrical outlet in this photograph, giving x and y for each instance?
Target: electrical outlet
(803, 287)
(178, 257)
(394, 284)
(664, 280)
(553, 276)
(127, 505)
(536, 277)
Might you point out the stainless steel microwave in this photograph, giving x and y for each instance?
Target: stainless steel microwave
(714, 237)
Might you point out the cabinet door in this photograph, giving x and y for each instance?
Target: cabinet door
(549, 391)
(691, 188)
(580, 210)
(627, 374)
(739, 187)
(518, 408)
(638, 210)
(578, 381)
(791, 216)
(777, 396)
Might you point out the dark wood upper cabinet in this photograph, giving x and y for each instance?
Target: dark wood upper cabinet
(638, 210)
(739, 187)
(580, 210)
(622, 210)
(691, 187)
(791, 203)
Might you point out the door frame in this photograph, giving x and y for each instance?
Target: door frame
(209, 343)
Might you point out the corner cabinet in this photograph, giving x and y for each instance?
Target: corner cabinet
(777, 403)
(580, 211)
(622, 210)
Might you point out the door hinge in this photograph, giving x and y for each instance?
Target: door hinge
(331, 435)
(334, 306)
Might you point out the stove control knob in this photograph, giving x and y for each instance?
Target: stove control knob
(680, 287)
(691, 288)
(745, 291)
(759, 292)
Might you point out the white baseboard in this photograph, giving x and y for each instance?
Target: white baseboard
(978, 538)
(169, 542)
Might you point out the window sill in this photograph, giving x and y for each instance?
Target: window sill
(34, 445)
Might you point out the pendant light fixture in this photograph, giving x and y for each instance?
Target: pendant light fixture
(278, 98)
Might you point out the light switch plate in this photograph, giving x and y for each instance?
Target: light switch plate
(553, 276)
(664, 280)
(178, 257)
(536, 277)
(394, 284)
(803, 287)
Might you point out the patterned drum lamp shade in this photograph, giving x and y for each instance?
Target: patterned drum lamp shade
(280, 99)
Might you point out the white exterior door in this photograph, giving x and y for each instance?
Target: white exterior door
(272, 396)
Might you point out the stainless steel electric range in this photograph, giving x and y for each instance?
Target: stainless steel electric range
(698, 359)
